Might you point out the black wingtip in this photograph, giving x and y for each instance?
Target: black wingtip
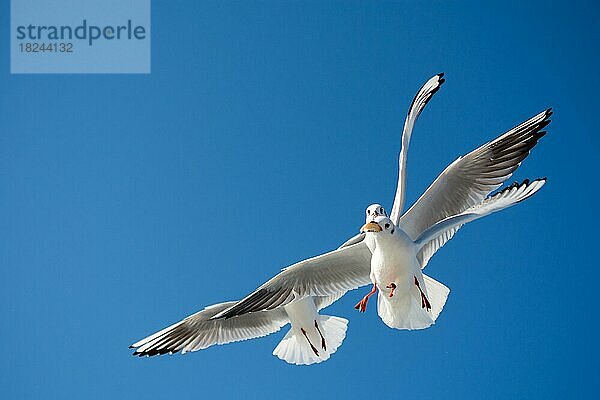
(524, 182)
(441, 79)
(547, 114)
(538, 135)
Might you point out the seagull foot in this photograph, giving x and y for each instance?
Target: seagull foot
(424, 301)
(362, 305)
(314, 349)
(393, 287)
(323, 345)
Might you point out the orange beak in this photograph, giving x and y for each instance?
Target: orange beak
(371, 227)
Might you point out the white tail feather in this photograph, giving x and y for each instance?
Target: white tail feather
(295, 349)
(406, 312)
(402, 312)
(437, 294)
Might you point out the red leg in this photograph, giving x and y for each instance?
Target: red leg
(314, 349)
(362, 305)
(424, 301)
(393, 287)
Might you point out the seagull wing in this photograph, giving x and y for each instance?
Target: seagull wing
(416, 107)
(329, 274)
(441, 232)
(198, 331)
(325, 301)
(353, 240)
(434, 245)
(469, 179)
(507, 197)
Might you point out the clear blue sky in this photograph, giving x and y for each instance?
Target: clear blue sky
(118, 194)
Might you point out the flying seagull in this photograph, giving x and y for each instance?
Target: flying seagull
(463, 184)
(312, 337)
(407, 298)
(327, 276)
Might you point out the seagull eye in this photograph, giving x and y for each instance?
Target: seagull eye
(387, 226)
(368, 212)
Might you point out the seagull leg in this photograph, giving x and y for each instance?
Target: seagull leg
(323, 345)
(393, 287)
(362, 305)
(314, 349)
(424, 301)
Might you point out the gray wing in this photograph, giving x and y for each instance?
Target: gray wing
(329, 274)
(434, 245)
(416, 107)
(198, 331)
(353, 240)
(507, 197)
(469, 179)
(325, 301)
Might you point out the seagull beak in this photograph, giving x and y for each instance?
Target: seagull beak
(371, 227)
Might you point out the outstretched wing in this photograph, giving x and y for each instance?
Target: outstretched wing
(507, 197)
(353, 240)
(198, 331)
(416, 107)
(329, 274)
(469, 179)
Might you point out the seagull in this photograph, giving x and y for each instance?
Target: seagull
(463, 184)
(301, 290)
(408, 299)
(312, 337)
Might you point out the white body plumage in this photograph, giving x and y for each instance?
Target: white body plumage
(407, 299)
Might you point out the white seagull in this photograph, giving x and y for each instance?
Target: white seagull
(431, 221)
(407, 298)
(463, 184)
(299, 291)
(312, 337)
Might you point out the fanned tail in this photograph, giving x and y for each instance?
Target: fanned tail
(437, 294)
(407, 311)
(296, 349)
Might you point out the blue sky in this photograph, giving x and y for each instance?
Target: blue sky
(260, 120)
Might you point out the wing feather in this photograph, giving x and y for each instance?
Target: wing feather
(416, 107)
(199, 331)
(329, 274)
(470, 178)
(437, 235)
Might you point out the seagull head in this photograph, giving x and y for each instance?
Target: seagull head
(379, 225)
(374, 211)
